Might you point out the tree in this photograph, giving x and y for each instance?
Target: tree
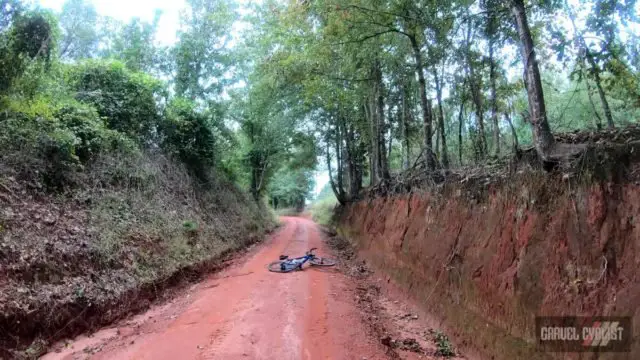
(543, 138)
(133, 43)
(30, 39)
(475, 86)
(80, 37)
(492, 33)
(290, 188)
(201, 55)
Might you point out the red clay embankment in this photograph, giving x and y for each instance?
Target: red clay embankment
(486, 263)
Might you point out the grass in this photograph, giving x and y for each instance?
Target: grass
(444, 346)
(322, 209)
(168, 222)
(287, 212)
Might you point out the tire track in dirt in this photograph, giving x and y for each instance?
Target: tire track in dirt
(247, 312)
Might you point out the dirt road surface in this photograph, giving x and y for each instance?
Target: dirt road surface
(247, 312)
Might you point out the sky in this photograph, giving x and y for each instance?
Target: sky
(125, 10)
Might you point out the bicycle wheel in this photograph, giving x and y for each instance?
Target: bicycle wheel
(281, 267)
(320, 261)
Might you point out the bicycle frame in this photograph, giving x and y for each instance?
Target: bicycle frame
(299, 261)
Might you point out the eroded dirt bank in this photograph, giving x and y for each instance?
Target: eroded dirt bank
(75, 261)
(486, 264)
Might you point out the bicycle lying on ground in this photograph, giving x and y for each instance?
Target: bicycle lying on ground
(286, 265)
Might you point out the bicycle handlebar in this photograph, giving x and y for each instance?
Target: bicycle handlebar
(311, 251)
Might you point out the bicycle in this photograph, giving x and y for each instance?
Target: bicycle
(285, 264)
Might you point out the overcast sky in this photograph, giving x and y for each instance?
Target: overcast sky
(124, 10)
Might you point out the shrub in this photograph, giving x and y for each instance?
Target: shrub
(190, 227)
(38, 150)
(188, 136)
(91, 133)
(444, 346)
(50, 143)
(125, 99)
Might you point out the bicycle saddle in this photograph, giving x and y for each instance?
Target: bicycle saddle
(284, 257)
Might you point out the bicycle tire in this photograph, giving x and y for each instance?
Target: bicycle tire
(320, 261)
(275, 267)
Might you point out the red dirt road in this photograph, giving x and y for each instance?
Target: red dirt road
(247, 312)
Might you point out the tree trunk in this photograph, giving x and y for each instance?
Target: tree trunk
(436, 147)
(494, 101)
(605, 104)
(460, 113)
(516, 145)
(463, 99)
(390, 121)
(425, 104)
(405, 129)
(543, 138)
(373, 153)
(595, 70)
(598, 120)
(480, 143)
(340, 177)
(355, 180)
(383, 165)
(443, 137)
(254, 164)
(338, 192)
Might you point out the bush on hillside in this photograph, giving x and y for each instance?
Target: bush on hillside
(188, 136)
(49, 143)
(126, 99)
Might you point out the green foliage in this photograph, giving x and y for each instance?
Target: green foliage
(30, 39)
(290, 188)
(49, 143)
(188, 135)
(34, 35)
(92, 136)
(444, 347)
(323, 206)
(190, 227)
(200, 57)
(133, 43)
(301, 83)
(126, 99)
(80, 38)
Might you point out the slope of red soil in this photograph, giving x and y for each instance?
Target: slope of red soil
(486, 266)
